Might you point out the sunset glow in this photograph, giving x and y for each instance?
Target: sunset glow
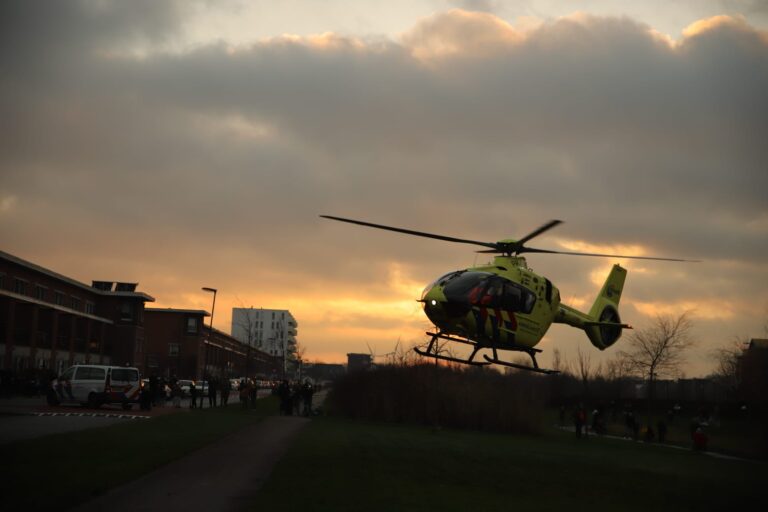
(182, 145)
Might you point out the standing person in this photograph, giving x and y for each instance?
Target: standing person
(700, 440)
(192, 395)
(306, 394)
(661, 427)
(50, 395)
(176, 394)
(153, 387)
(245, 391)
(59, 387)
(629, 424)
(296, 397)
(253, 391)
(145, 398)
(578, 420)
(284, 392)
(226, 387)
(212, 388)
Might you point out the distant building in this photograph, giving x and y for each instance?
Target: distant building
(752, 374)
(272, 331)
(320, 372)
(180, 344)
(358, 362)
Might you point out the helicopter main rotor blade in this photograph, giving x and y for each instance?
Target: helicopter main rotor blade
(411, 232)
(546, 227)
(545, 251)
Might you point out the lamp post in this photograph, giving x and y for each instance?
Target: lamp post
(210, 328)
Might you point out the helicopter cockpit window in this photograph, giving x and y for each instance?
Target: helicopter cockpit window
(497, 292)
(467, 287)
(441, 281)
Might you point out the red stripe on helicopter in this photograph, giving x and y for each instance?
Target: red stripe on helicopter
(512, 320)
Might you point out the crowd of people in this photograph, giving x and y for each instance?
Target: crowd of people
(595, 423)
(296, 398)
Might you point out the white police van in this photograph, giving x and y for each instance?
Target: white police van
(95, 385)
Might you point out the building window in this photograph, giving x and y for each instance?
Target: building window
(75, 303)
(173, 349)
(2, 281)
(193, 325)
(20, 286)
(126, 311)
(90, 308)
(58, 298)
(40, 292)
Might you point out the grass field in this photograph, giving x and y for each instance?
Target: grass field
(343, 465)
(61, 470)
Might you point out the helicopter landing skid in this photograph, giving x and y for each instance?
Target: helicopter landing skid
(534, 368)
(434, 354)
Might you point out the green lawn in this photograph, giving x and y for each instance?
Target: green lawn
(61, 470)
(342, 465)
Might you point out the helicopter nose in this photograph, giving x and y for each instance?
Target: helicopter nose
(434, 301)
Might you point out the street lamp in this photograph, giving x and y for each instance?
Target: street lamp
(210, 328)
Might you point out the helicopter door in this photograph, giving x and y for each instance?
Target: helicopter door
(548, 291)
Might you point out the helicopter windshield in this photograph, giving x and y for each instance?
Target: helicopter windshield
(466, 287)
(489, 290)
(441, 281)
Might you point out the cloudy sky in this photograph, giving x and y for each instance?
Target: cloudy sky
(194, 144)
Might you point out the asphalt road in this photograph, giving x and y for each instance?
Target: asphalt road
(16, 428)
(30, 417)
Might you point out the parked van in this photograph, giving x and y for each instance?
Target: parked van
(95, 385)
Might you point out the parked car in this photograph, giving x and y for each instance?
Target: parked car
(95, 385)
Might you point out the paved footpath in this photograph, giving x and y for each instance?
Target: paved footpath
(223, 476)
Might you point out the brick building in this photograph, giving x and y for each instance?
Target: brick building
(49, 321)
(179, 343)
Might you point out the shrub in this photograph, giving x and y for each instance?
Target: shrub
(471, 398)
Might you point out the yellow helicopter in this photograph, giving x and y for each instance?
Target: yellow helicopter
(504, 305)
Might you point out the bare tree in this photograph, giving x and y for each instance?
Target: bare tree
(299, 354)
(659, 349)
(248, 325)
(617, 372)
(727, 362)
(583, 369)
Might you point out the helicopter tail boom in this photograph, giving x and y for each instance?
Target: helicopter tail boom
(602, 324)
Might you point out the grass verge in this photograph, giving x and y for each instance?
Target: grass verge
(62, 470)
(345, 465)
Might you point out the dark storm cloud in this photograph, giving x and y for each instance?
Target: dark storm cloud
(465, 127)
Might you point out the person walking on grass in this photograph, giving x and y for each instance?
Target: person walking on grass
(579, 418)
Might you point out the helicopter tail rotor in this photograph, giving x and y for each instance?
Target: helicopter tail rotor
(602, 324)
(605, 328)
